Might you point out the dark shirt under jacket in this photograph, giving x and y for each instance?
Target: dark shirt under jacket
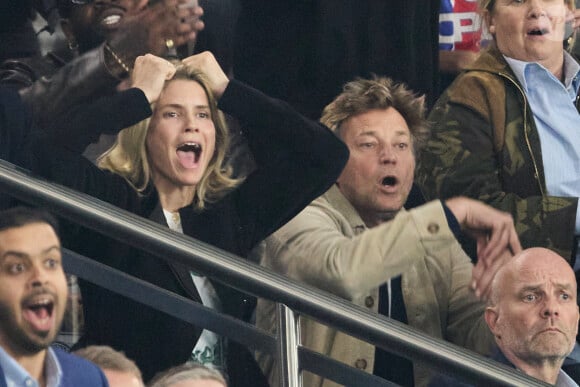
(297, 159)
(388, 365)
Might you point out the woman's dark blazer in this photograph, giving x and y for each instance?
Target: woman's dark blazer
(297, 160)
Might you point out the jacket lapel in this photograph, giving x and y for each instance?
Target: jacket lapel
(181, 271)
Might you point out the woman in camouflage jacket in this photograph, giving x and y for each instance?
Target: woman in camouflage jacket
(486, 145)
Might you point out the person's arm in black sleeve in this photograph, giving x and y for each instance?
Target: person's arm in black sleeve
(84, 123)
(305, 159)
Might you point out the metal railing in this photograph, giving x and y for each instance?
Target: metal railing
(250, 278)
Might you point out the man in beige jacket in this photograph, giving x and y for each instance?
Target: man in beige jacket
(357, 241)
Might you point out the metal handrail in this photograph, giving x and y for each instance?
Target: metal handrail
(248, 277)
(199, 315)
(288, 344)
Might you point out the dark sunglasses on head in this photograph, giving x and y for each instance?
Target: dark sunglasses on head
(81, 1)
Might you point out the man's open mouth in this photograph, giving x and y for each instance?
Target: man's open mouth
(538, 31)
(111, 20)
(389, 181)
(38, 311)
(110, 17)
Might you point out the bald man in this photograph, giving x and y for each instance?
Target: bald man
(533, 313)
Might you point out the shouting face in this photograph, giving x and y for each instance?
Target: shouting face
(33, 289)
(530, 31)
(181, 137)
(380, 171)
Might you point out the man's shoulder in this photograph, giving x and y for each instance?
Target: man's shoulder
(480, 86)
(334, 204)
(77, 371)
(321, 212)
(321, 216)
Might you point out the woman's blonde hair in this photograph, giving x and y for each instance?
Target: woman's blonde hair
(128, 156)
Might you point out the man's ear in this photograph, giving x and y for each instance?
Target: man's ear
(491, 317)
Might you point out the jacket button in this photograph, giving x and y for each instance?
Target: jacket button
(361, 364)
(433, 228)
(369, 301)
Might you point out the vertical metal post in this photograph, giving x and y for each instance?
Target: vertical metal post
(288, 341)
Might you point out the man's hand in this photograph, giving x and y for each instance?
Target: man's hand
(494, 233)
(484, 272)
(151, 29)
(150, 73)
(206, 63)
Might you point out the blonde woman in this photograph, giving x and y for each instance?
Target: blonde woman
(170, 168)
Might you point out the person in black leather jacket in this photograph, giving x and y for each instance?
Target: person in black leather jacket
(105, 36)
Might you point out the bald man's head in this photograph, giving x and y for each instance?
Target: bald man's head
(532, 310)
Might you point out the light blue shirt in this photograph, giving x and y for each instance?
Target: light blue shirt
(558, 123)
(17, 376)
(564, 380)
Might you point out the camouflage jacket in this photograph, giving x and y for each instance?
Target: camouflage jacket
(485, 145)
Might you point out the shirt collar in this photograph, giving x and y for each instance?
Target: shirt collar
(564, 380)
(571, 71)
(53, 369)
(16, 375)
